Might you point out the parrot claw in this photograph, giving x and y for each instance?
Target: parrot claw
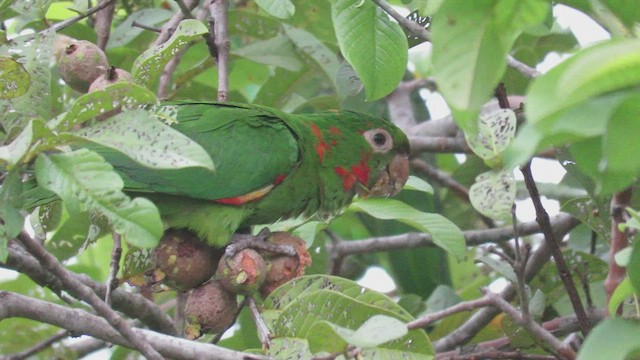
(258, 242)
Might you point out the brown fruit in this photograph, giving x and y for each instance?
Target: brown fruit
(282, 268)
(209, 309)
(185, 260)
(81, 63)
(243, 273)
(111, 76)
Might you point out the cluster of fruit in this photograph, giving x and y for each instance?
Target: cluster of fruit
(84, 66)
(183, 262)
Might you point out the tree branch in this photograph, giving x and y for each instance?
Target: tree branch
(132, 305)
(86, 294)
(542, 218)
(619, 241)
(219, 9)
(38, 347)
(104, 18)
(481, 318)
(63, 24)
(79, 321)
(473, 237)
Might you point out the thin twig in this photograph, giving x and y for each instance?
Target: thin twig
(79, 321)
(114, 268)
(263, 330)
(103, 21)
(86, 294)
(438, 144)
(219, 9)
(63, 24)
(460, 307)
(523, 68)
(38, 347)
(535, 329)
(542, 217)
(146, 27)
(413, 27)
(132, 305)
(619, 241)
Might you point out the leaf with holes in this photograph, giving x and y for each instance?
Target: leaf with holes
(493, 194)
(496, 130)
(86, 182)
(148, 141)
(149, 65)
(375, 46)
(377, 330)
(14, 79)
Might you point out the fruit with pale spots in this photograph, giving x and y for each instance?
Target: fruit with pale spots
(81, 63)
(209, 309)
(184, 259)
(282, 268)
(242, 273)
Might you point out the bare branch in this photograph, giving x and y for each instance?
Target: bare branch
(86, 294)
(523, 68)
(414, 28)
(114, 267)
(219, 9)
(534, 328)
(132, 305)
(63, 24)
(38, 347)
(263, 331)
(459, 307)
(146, 27)
(78, 321)
(102, 25)
(542, 217)
(619, 241)
(441, 144)
(473, 237)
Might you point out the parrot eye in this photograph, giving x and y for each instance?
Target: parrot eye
(379, 139)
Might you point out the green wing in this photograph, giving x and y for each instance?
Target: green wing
(251, 148)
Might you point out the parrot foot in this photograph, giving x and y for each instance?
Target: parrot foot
(258, 242)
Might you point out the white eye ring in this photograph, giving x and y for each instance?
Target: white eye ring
(379, 139)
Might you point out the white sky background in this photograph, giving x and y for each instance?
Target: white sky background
(587, 32)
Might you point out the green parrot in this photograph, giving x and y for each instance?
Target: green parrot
(269, 165)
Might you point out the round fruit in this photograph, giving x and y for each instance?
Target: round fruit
(282, 268)
(81, 63)
(209, 309)
(111, 76)
(243, 273)
(184, 259)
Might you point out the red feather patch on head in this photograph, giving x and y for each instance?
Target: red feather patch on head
(361, 171)
(348, 178)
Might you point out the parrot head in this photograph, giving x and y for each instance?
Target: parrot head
(362, 154)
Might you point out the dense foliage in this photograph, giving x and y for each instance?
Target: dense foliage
(566, 284)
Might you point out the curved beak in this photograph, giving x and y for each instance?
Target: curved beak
(393, 178)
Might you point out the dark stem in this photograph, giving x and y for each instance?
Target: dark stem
(219, 9)
(86, 294)
(619, 241)
(114, 268)
(146, 27)
(38, 347)
(542, 218)
(263, 330)
(63, 24)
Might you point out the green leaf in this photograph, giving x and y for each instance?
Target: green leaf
(495, 131)
(31, 9)
(377, 330)
(150, 64)
(125, 32)
(493, 194)
(633, 269)
(623, 291)
(148, 141)
(500, 266)
(88, 183)
(11, 221)
(14, 152)
(277, 51)
(14, 79)
(282, 9)
(375, 46)
(88, 106)
(314, 48)
(35, 52)
(471, 40)
(290, 348)
(416, 183)
(444, 233)
(600, 340)
(299, 318)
